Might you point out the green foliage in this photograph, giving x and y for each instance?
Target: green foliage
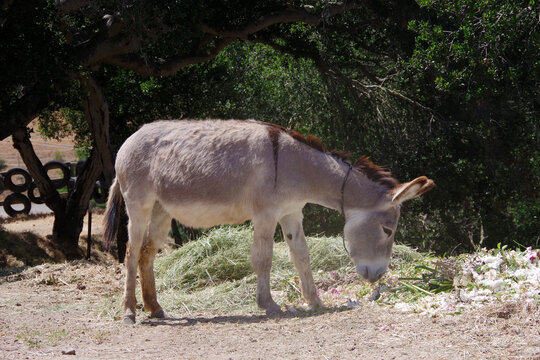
(31, 49)
(59, 155)
(244, 81)
(429, 281)
(446, 89)
(475, 65)
(526, 217)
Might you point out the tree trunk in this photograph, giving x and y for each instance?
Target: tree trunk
(68, 225)
(21, 142)
(64, 227)
(69, 213)
(96, 111)
(176, 233)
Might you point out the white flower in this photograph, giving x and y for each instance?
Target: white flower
(493, 262)
(494, 285)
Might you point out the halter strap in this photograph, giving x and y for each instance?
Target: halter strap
(343, 202)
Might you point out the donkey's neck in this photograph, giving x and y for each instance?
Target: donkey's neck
(324, 177)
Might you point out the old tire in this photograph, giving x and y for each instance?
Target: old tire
(71, 184)
(17, 188)
(79, 167)
(31, 195)
(100, 193)
(17, 198)
(63, 181)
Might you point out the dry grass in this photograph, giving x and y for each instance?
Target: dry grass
(214, 273)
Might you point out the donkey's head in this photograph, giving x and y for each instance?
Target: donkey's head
(370, 233)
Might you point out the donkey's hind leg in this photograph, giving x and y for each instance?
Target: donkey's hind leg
(157, 233)
(291, 225)
(138, 221)
(261, 258)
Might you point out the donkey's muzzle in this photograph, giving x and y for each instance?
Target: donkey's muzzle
(370, 272)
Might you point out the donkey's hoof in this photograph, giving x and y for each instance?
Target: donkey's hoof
(159, 315)
(317, 305)
(129, 319)
(273, 309)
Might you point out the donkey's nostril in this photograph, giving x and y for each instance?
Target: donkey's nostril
(381, 272)
(363, 271)
(370, 273)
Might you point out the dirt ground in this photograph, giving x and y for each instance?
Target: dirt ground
(64, 311)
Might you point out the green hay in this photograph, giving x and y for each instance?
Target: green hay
(328, 254)
(221, 255)
(230, 297)
(214, 273)
(403, 252)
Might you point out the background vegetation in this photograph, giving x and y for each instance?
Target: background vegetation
(447, 89)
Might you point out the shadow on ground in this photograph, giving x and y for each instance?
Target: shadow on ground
(240, 319)
(27, 249)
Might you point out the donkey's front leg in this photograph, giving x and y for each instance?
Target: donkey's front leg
(261, 259)
(291, 225)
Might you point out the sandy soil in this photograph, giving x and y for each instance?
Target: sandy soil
(51, 311)
(42, 224)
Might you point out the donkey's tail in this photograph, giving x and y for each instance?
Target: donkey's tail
(113, 214)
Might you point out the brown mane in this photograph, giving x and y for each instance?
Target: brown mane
(373, 172)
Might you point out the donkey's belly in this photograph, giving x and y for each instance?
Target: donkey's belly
(201, 215)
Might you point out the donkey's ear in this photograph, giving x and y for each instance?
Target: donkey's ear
(411, 189)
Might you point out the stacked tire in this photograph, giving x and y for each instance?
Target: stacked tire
(17, 197)
(17, 188)
(8, 182)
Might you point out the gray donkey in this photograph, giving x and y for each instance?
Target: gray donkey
(210, 172)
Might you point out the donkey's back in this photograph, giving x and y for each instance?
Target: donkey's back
(204, 173)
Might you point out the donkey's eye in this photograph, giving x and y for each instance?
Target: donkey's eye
(387, 231)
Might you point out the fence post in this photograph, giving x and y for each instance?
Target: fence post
(89, 238)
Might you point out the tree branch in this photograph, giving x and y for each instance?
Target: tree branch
(116, 51)
(24, 110)
(21, 142)
(162, 67)
(286, 16)
(70, 6)
(283, 17)
(110, 47)
(96, 111)
(394, 93)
